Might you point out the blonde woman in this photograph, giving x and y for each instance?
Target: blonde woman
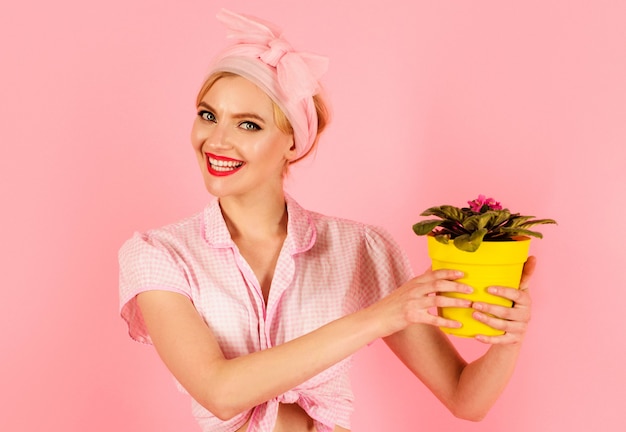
(256, 305)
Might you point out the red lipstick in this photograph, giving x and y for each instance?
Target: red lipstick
(222, 166)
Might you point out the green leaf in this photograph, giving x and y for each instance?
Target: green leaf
(478, 235)
(521, 232)
(443, 238)
(445, 212)
(470, 242)
(471, 223)
(479, 221)
(517, 221)
(501, 217)
(425, 227)
(462, 242)
(453, 228)
(433, 211)
(537, 222)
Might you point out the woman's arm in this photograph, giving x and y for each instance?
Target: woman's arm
(469, 390)
(227, 387)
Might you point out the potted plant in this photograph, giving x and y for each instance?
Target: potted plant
(485, 241)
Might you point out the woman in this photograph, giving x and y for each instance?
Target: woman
(256, 305)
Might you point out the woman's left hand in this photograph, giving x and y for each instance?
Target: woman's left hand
(512, 320)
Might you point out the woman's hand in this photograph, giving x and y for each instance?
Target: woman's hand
(416, 301)
(512, 320)
(468, 390)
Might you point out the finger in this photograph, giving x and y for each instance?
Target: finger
(433, 275)
(517, 296)
(442, 301)
(439, 321)
(420, 314)
(519, 314)
(507, 338)
(516, 328)
(439, 286)
(527, 272)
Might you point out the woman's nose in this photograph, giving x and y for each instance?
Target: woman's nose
(219, 137)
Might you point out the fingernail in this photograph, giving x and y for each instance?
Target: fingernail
(478, 306)
(492, 290)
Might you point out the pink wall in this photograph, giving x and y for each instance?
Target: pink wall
(433, 102)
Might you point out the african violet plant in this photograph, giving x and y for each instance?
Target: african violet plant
(483, 220)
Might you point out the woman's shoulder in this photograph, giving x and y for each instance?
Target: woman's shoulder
(188, 226)
(184, 231)
(343, 229)
(328, 223)
(322, 220)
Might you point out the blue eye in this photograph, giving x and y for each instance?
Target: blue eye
(250, 126)
(207, 115)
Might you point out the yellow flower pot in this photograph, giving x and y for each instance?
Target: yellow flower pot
(494, 263)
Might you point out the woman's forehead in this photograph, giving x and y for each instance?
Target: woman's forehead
(238, 91)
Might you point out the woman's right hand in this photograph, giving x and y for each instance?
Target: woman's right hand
(414, 301)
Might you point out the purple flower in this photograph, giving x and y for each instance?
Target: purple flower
(483, 204)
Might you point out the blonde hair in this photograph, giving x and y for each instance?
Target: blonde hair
(280, 119)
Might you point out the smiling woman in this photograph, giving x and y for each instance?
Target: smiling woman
(257, 305)
(235, 133)
(281, 120)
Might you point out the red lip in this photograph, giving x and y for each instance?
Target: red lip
(221, 158)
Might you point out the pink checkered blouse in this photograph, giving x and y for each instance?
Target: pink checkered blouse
(327, 268)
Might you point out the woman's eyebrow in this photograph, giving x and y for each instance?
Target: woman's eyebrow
(236, 116)
(205, 105)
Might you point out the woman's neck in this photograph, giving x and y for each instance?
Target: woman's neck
(255, 218)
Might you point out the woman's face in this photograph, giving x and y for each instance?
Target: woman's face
(239, 148)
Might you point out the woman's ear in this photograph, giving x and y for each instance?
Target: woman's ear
(291, 153)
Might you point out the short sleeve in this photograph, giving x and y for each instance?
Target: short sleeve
(383, 268)
(145, 264)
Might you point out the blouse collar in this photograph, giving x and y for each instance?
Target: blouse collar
(301, 233)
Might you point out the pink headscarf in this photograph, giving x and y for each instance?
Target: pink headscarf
(290, 78)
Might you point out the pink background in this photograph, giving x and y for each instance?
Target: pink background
(434, 102)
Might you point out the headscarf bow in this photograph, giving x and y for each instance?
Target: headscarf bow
(290, 78)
